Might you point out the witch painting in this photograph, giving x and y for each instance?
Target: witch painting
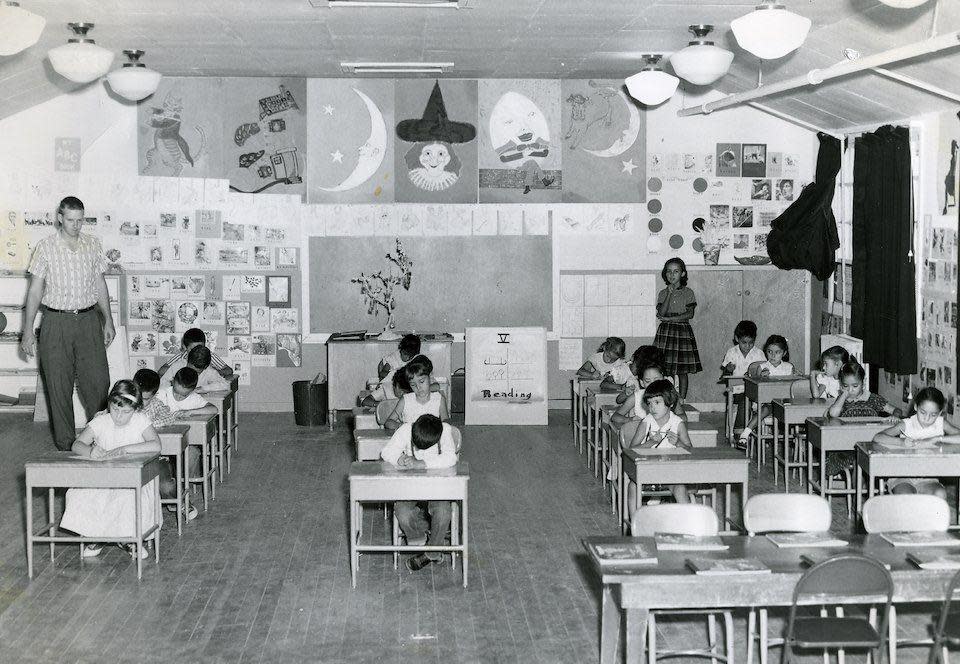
(432, 161)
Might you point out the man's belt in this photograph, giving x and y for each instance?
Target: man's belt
(70, 311)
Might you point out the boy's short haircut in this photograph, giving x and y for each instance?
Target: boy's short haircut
(193, 336)
(745, 328)
(418, 366)
(852, 368)
(426, 432)
(187, 378)
(409, 345)
(662, 388)
(837, 354)
(199, 358)
(148, 380)
(400, 382)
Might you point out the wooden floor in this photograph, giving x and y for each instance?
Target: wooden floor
(264, 575)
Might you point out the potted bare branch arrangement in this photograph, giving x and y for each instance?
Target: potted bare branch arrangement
(378, 289)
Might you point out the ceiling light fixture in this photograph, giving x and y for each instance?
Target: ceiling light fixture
(701, 62)
(19, 29)
(80, 59)
(903, 4)
(395, 67)
(651, 85)
(133, 81)
(770, 31)
(402, 4)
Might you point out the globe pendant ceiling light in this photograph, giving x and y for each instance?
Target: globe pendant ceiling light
(903, 4)
(770, 31)
(19, 29)
(651, 85)
(80, 59)
(701, 62)
(133, 81)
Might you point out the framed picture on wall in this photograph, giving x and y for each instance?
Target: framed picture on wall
(278, 291)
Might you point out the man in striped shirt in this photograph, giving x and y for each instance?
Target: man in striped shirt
(67, 280)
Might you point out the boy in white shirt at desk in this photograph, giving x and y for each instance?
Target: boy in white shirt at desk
(407, 349)
(425, 443)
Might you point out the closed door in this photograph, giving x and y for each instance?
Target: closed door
(776, 300)
(719, 309)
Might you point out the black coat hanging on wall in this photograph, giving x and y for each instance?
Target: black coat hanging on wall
(805, 235)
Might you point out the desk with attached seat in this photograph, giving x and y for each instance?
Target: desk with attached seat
(791, 413)
(879, 460)
(174, 440)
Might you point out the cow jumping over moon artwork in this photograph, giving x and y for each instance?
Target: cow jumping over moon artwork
(603, 143)
(348, 147)
(436, 156)
(519, 152)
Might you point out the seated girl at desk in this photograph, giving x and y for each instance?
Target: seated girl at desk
(825, 379)
(633, 407)
(422, 400)
(925, 426)
(607, 365)
(777, 363)
(856, 401)
(643, 357)
(123, 429)
(661, 428)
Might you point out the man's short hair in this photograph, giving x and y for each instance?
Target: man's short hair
(147, 379)
(199, 357)
(426, 432)
(409, 345)
(194, 336)
(70, 203)
(187, 378)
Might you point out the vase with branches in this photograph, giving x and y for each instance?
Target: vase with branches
(378, 289)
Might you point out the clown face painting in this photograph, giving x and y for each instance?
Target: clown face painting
(433, 166)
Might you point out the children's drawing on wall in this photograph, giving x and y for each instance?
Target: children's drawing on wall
(603, 141)
(784, 190)
(351, 158)
(947, 157)
(519, 156)
(265, 134)
(728, 160)
(179, 129)
(754, 164)
(436, 156)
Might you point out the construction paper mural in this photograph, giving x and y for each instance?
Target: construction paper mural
(948, 152)
(265, 134)
(436, 150)
(179, 129)
(603, 142)
(350, 154)
(519, 152)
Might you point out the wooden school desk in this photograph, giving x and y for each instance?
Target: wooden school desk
(791, 413)
(174, 440)
(761, 390)
(878, 461)
(706, 465)
(204, 434)
(66, 471)
(732, 382)
(669, 584)
(595, 402)
(369, 442)
(579, 387)
(834, 434)
(380, 482)
(225, 401)
(350, 361)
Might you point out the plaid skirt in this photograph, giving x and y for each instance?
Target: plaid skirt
(679, 348)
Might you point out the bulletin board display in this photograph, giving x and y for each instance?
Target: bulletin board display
(506, 381)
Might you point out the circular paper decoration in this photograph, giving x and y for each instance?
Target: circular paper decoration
(676, 241)
(653, 244)
(654, 206)
(697, 245)
(700, 185)
(655, 225)
(698, 224)
(3, 322)
(654, 184)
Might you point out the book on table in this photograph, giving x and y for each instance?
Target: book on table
(674, 542)
(924, 538)
(622, 553)
(932, 560)
(797, 540)
(717, 566)
(811, 559)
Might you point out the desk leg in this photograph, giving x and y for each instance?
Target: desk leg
(726, 505)
(609, 626)
(636, 635)
(353, 543)
(747, 416)
(180, 507)
(729, 418)
(823, 472)
(138, 530)
(464, 541)
(859, 488)
(50, 520)
(29, 531)
(331, 415)
(809, 466)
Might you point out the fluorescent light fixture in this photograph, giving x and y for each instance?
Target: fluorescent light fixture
(133, 81)
(80, 59)
(903, 4)
(701, 62)
(770, 31)
(19, 29)
(395, 67)
(394, 4)
(651, 85)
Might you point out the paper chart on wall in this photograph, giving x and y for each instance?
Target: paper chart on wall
(506, 376)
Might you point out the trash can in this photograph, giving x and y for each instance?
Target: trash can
(457, 390)
(310, 401)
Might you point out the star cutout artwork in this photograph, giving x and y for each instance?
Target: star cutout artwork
(337, 156)
(328, 109)
(628, 166)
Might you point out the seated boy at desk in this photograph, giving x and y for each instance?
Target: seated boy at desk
(425, 443)
(407, 349)
(192, 338)
(208, 379)
(182, 400)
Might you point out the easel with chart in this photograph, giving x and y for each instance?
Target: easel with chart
(506, 381)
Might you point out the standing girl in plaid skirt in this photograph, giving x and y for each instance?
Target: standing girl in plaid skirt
(675, 307)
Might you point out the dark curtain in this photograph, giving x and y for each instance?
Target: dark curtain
(883, 309)
(805, 235)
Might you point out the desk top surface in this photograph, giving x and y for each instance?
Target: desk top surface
(801, 403)
(384, 469)
(850, 422)
(71, 460)
(355, 338)
(173, 430)
(761, 380)
(891, 450)
(698, 455)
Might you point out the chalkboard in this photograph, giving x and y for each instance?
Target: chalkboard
(506, 375)
(458, 282)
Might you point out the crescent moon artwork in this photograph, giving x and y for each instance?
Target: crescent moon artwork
(629, 135)
(371, 153)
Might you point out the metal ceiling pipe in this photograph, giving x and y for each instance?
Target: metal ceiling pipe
(917, 83)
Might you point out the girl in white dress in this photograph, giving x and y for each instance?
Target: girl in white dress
(777, 363)
(121, 430)
(607, 364)
(422, 400)
(926, 426)
(825, 379)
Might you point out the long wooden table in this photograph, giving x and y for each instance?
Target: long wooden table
(878, 460)
(669, 584)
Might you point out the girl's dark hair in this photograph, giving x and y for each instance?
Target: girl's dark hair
(125, 393)
(650, 365)
(615, 344)
(852, 368)
(400, 382)
(745, 328)
(661, 388)
(930, 394)
(147, 380)
(675, 261)
(836, 353)
(777, 340)
(418, 366)
(644, 356)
